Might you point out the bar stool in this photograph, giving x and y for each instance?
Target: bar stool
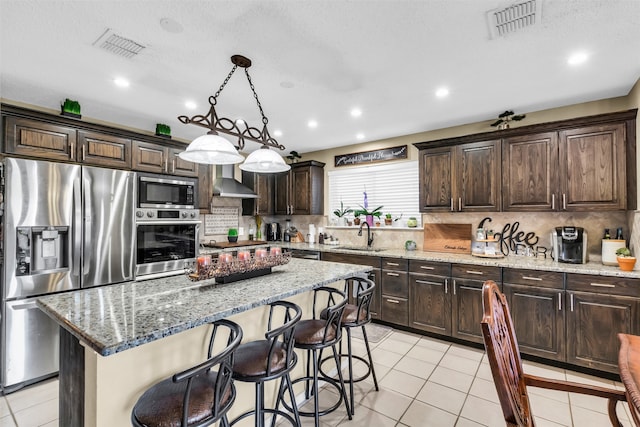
(356, 315)
(208, 394)
(270, 359)
(314, 335)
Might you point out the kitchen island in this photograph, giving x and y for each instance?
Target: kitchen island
(116, 341)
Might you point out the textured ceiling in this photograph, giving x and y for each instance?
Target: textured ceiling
(316, 60)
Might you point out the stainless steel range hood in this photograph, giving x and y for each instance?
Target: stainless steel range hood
(226, 186)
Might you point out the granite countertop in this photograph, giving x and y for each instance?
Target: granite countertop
(593, 267)
(113, 318)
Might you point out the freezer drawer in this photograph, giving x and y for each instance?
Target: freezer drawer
(30, 343)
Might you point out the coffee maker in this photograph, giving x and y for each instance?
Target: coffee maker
(569, 244)
(274, 232)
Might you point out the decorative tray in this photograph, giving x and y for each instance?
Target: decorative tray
(234, 269)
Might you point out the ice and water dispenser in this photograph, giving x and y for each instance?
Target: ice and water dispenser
(41, 249)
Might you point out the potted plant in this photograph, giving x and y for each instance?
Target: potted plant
(626, 260)
(71, 108)
(163, 130)
(370, 214)
(232, 235)
(342, 212)
(388, 220)
(356, 217)
(396, 221)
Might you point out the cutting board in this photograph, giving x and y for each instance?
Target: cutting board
(454, 238)
(224, 245)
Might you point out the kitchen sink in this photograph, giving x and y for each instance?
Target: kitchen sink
(360, 248)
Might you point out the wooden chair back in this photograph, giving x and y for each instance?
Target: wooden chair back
(504, 357)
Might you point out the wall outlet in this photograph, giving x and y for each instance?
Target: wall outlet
(240, 231)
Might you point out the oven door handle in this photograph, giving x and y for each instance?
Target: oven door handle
(169, 222)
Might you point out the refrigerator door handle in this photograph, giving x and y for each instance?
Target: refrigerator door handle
(76, 228)
(87, 218)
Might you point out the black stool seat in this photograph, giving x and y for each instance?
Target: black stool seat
(161, 405)
(314, 332)
(251, 360)
(272, 358)
(197, 397)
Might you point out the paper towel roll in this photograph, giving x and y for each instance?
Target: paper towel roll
(609, 248)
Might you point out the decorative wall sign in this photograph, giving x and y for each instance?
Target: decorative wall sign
(221, 220)
(374, 156)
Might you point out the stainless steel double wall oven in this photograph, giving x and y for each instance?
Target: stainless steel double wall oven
(167, 225)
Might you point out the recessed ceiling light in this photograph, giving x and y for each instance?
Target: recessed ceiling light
(356, 112)
(312, 124)
(239, 122)
(442, 92)
(121, 82)
(170, 25)
(277, 133)
(578, 58)
(191, 105)
(360, 136)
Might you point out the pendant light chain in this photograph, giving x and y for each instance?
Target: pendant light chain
(255, 95)
(214, 98)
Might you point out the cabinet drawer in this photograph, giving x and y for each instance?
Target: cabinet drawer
(395, 310)
(431, 268)
(540, 279)
(351, 259)
(395, 283)
(604, 284)
(476, 272)
(396, 264)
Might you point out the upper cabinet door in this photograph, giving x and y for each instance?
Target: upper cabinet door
(593, 168)
(34, 138)
(436, 179)
(477, 175)
(530, 172)
(179, 166)
(104, 150)
(148, 157)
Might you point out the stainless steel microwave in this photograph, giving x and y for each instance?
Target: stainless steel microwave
(162, 192)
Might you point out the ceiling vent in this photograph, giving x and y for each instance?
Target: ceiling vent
(118, 45)
(508, 20)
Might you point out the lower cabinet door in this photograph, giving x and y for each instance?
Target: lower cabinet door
(374, 308)
(593, 324)
(538, 316)
(430, 306)
(467, 310)
(395, 310)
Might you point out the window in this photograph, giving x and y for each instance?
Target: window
(392, 186)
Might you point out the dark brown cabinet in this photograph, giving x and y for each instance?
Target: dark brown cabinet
(262, 185)
(395, 291)
(598, 309)
(530, 172)
(104, 150)
(536, 301)
(464, 177)
(149, 157)
(430, 296)
(301, 190)
(592, 168)
(374, 274)
(34, 138)
(467, 299)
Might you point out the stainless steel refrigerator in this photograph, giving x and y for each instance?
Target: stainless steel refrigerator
(64, 227)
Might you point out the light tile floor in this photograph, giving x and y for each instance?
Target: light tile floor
(423, 382)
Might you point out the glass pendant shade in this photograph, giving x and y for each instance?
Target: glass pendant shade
(211, 149)
(264, 160)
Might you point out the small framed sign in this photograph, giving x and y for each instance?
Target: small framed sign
(374, 156)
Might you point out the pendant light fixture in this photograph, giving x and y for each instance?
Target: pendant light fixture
(214, 149)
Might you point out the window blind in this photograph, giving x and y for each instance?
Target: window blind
(392, 186)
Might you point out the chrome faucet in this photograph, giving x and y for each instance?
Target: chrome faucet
(369, 233)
